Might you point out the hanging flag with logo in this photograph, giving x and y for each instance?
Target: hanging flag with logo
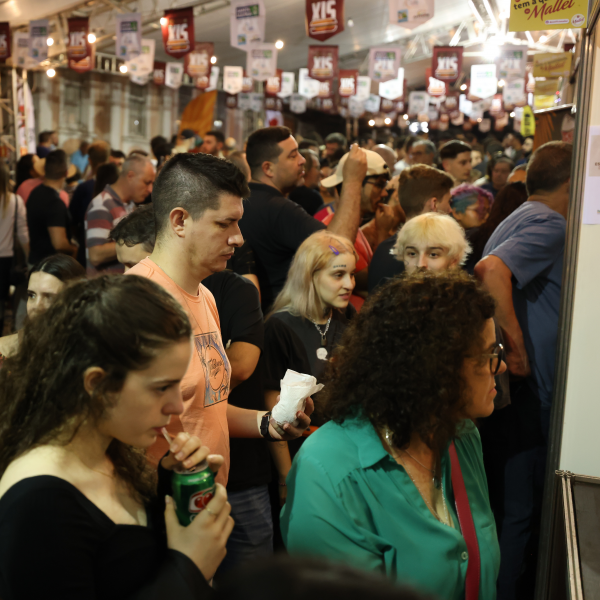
(394, 88)
(435, 87)
(4, 41)
(540, 16)
(197, 63)
(20, 50)
(257, 102)
(373, 103)
(497, 107)
(244, 100)
(213, 80)
(273, 84)
(261, 61)
(158, 76)
(451, 102)
(273, 103)
(233, 80)
(322, 62)
(298, 104)
(231, 100)
(38, 34)
(78, 46)
(174, 75)
(363, 91)
(512, 62)
(446, 63)
(143, 64)
(128, 28)
(552, 65)
(483, 81)
(139, 79)
(410, 13)
(513, 93)
(247, 23)
(325, 89)
(178, 31)
(418, 103)
(248, 84)
(307, 87)
(324, 18)
(348, 82)
(86, 64)
(287, 84)
(356, 107)
(383, 64)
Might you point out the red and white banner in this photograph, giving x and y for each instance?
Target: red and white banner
(384, 64)
(446, 63)
(86, 64)
(324, 18)
(197, 63)
(178, 31)
(231, 100)
(322, 62)
(273, 84)
(78, 46)
(325, 89)
(158, 76)
(348, 82)
(4, 41)
(248, 84)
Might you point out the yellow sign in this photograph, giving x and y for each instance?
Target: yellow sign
(552, 65)
(546, 88)
(539, 15)
(527, 122)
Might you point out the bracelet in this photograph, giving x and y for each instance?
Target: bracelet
(264, 428)
(283, 485)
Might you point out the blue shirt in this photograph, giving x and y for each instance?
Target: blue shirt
(80, 161)
(531, 242)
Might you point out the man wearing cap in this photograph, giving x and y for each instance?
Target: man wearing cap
(273, 225)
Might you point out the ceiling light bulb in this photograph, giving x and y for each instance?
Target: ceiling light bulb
(371, 123)
(50, 41)
(350, 23)
(543, 38)
(479, 120)
(512, 115)
(51, 72)
(213, 60)
(279, 44)
(463, 87)
(405, 117)
(163, 21)
(91, 38)
(501, 83)
(388, 121)
(123, 69)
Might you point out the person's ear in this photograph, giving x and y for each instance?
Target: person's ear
(177, 219)
(430, 206)
(92, 377)
(268, 169)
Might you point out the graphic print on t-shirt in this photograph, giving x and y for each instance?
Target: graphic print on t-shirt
(215, 365)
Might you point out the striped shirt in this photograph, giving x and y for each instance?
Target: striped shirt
(103, 213)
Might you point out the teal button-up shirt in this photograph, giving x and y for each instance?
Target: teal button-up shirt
(350, 501)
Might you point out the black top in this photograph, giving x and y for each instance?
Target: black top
(242, 321)
(44, 209)
(310, 200)
(242, 262)
(55, 543)
(82, 196)
(274, 227)
(384, 265)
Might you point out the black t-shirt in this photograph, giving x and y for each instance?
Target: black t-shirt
(310, 200)
(242, 321)
(242, 262)
(274, 227)
(55, 543)
(82, 196)
(44, 209)
(384, 265)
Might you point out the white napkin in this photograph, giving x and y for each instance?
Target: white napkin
(295, 389)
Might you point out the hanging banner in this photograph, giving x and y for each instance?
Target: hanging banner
(322, 62)
(418, 102)
(197, 63)
(552, 65)
(244, 102)
(78, 47)
(174, 75)
(178, 31)
(373, 103)
(213, 80)
(248, 84)
(436, 88)
(128, 28)
(485, 125)
(383, 63)
(86, 64)
(231, 100)
(143, 64)
(363, 91)
(38, 34)
(356, 107)
(307, 87)
(451, 102)
(513, 93)
(446, 63)
(324, 18)
(20, 50)
(512, 62)
(527, 122)
(257, 102)
(483, 81)
(273, 84)
(273, 103)
(4, 41)
(298, 104)
(325, 89)
(552, 14)
(497, 107)
(410, 13)
(394, 88)
(158, 76)
(388, 106)
(233, 80)
(261, 61)
(348, 82)
(139, 79)
(501, 122)
(247, 23)
(288, 79)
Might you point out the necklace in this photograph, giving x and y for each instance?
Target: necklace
(418, 461)
(322, 351)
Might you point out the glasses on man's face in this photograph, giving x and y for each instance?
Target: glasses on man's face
(496, 358)
(378, 183)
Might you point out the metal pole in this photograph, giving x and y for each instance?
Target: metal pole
(15, 112)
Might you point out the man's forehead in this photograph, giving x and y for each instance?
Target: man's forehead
(289, 143)
(230, 207)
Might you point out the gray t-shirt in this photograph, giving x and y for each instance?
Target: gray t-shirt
(531, 244)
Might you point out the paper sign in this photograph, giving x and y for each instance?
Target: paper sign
(244, 101)
(233, 80)
(261, 61)
(513, 93)
(257, 102)
(178, 31)
(143, 64)
(128, 28)
(372, 103)
(307, 87)
(324, 18)
(288, 79)
(197, 63)
(174, 75)
(418, 102)
(348, 82)
(410, 13)
(483, 80)
(4, 41)
(512, 62)
(552, 65)
(298, 104)
(446, 63)
(247, 23)
(529, 15)
(383, 63)
(364, 88)
(322, 62)
(38, 34)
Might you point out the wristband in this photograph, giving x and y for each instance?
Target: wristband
(264, 428)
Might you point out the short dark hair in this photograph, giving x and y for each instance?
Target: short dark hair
(56, 165)
(263, 146)
(107, 174)
(117, 154)
(98, 153)
(136, 228)
(64, 268)
(218, 135)
(453, 148)
(549, 167)
(306, 143)
(337, 138)
(239, 160)
(44, 137)
(429, 145)
(420, 183)
(194, 182)
(310, 157)
(516, 134)
(400, 142)
(156, 142)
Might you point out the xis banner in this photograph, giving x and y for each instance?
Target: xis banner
(512, 62)
(197, 63)
(273, 84)
(446, 63)
(383, 63)
(322, 62)
(247, 23)
(158, 77)
(348, 82)
(78, 46)
(178, 31)
(324, 18)
(129, 35)
(85, 64)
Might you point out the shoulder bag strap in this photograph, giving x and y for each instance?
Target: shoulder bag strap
(467, 527)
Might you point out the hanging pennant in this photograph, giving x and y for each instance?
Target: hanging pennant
(356, 107)
(139, 79)
(552, 65)
(174, 75)
(348, 82)
(513, 93)
(178, 31)
(363, 91)
(307, 87)
(233, 80)
(436, 88)
(394, 88)
(373, 103)
(446, 63)
(197, 63)
(38, 36)
(158, 76)
(257, 102)
(78, 46)
(143, 64)
(410, 13)
(244, 101)
(383, 63)
(213, 80)
(247, 23)
(273, 84)
(497, 108)
(86, 64)
(4, 41)
(231, 100)
(483, 81)
(21, 50)
(387, 106)
(322, 62)
(287, 84)
(418, 103)
(325, 89)
(451, 102)
(261, 61)
(324, 18)
(328, 106)
(512, 62)
(298, 104)
(128, 28)
(248, 84)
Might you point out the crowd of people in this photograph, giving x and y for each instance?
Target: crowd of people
(419, 280)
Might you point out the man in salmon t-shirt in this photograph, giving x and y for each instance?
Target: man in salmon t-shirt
(197, 202)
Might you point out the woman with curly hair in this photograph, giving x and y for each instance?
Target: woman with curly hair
(95, 379)
(376, 486)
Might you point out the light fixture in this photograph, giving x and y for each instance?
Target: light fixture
(512, 115)
(123, 69)
(213, 60)
(163, 21)
(91, 38)
(218, 123)
(279, 44)
(479, 120)
(350, 23)
(405, 117)
(491, 51)
(543, 38)
(51, 72)
(424, 127)
(371, 123)
(414, 127)
(501, 83)
(476, 13)
(49, 41)
(388, 121)
(463, 87)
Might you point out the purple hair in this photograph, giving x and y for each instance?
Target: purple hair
(466, 195)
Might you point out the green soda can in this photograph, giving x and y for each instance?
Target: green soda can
(192, 491)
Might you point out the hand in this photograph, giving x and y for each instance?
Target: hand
(203, 541)
(282, 494)
(187, 451)
(355, 169)
(385, 220)
(288, 431)
(517, 364)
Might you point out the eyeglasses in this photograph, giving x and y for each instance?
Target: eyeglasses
(496, 358)
(378, 183)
